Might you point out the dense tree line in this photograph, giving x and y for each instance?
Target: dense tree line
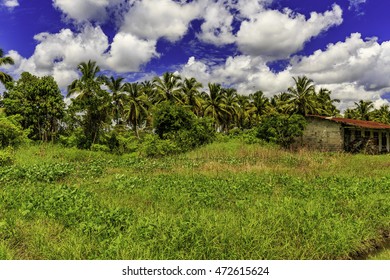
(109, 113)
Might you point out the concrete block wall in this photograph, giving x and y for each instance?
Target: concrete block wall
(322, 135)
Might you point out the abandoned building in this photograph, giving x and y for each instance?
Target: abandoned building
(340, 134)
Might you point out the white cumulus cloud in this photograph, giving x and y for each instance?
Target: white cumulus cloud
(279, 34)
(128, 53)
(10, 3)
(217, 27)
(85, 10)
(154, 19)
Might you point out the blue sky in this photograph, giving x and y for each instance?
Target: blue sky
(251, 45)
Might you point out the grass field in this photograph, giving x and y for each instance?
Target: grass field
(226, 200)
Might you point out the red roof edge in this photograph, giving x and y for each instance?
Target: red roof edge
(352, 122)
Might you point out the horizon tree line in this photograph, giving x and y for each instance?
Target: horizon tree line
(100, 103)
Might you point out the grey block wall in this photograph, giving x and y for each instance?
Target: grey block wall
(321, 135)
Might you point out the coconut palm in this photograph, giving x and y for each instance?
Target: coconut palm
(136, 106)
(302, 97)
(91, 101)
(89, 82)
(350, 114)
(325, 102)
(363, 109)
(116, 88)
(190, 88)
(280, 103)
(232, 107)
(382, 114)
(4, 60)
(260, 103)
(246, 112)
(168, 88)
(215, 105)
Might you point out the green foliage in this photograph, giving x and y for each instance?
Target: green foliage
(222, 201)
(11, 133)
(100, 148)
(7, 156)
(201, 132)
(169, 118)
(39, 103)
(121, 142)
(179, 130)
(154, 146)
(281, 129)
(91, 107)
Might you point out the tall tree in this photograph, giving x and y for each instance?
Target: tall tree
(91, 103)
(215, 105)
(40, 104)
(168, 88)
(325, 103)
(190, 88)
(231, 106)
(116, 88)
(363, 109)
(260, 103)
(246, 112)
(382, 114)
(136, 106)
(302, 97)
(4, 60)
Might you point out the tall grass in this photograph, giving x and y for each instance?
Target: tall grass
(223, 201)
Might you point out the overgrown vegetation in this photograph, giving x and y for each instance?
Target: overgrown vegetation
(162, 170)
(226, 200)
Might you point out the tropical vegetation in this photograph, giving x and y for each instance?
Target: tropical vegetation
(173, 169)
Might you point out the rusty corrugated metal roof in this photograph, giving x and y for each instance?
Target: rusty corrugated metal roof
(357, 123)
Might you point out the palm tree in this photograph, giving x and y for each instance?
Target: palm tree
(168, 87)
(4, 60)
(363, 109)
(136, 105)
(116, 88)
(215, 105)
(302, 97)
(350, 114)
(280, 103)
(89, 82)
(325, 102)
(91, 101)
(382, 114)
(232, 107)
(246, 111)
(190, 88)
(260, 103)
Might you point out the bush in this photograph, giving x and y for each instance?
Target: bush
(100, 148)
(120, 142)
(153, 146)
(169, 117)
(200, 133)
(7, 156)
(181, 127)
(11, 133)
(281, 129)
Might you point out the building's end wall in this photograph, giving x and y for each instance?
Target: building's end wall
(322, 135)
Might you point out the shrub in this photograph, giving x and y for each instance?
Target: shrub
(200, 133)
(120, 142)
(99, 148)
(153, 146)
(181, 127)
(7, 156)
(281, 129)
(11, 133)
(169, 117)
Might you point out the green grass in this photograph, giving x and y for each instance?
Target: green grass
(223, 201)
